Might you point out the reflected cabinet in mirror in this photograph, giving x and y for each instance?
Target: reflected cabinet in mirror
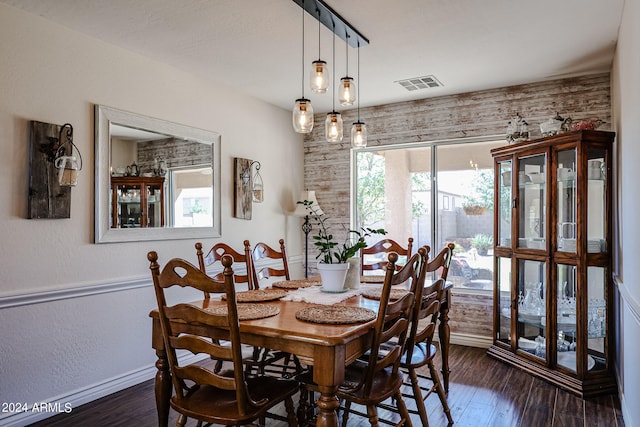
(155, 180)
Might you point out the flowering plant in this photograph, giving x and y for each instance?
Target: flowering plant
(330, 250)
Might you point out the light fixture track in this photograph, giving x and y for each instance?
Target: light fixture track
(334, 22)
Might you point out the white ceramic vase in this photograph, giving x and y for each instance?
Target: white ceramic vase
(333, 276)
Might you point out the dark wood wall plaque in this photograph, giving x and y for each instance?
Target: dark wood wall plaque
(242, 194)
(46, 198)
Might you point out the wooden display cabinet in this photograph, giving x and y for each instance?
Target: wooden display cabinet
(137, 202)
(552, 273)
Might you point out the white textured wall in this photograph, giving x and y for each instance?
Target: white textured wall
(61, 349)
(626, 110)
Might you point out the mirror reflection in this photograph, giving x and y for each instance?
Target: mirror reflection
(156, 180)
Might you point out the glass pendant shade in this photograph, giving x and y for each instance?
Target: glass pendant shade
(319, 76)
(347, 91)
(333, 127)
(359, 135)
(303, 116)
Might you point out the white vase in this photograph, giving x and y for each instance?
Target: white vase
(333, 276)
(353, 274)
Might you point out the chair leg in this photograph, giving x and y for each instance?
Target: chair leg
(417, 396)
(372, 413)
(440, 391)
(291, 412)
(345, 413)
(181, 421)
(402, 408)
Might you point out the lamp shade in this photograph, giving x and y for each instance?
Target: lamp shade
(359, 135)
(301, 210)
(347, 91)
(302, 116)
(319, 76)
(333, 130)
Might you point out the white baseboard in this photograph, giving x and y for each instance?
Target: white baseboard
(471, 340)
(88, 394)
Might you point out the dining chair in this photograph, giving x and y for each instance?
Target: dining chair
(225, 397)
(261, 252)
(383, 248)
(269, 360)
(377, 377)
(216, 253)
(420, 351)
(441, 262)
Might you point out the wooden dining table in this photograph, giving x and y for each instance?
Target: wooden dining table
(329, 348)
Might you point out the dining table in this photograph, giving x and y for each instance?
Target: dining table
(327, 347)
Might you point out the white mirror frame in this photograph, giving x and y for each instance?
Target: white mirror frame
(104, 117)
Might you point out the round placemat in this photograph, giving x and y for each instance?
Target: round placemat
(376, 293)
(335, 314)
(371, 279)
(295, 284)
(258, 295)
(247, 311)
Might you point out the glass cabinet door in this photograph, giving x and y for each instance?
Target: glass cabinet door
(532, 200)
(503, 276)
(567, 293)
(129, 207)
(566, 203)
(596, 200)
(154, 206)
(532, 307)
(504, 204)
(596, 318)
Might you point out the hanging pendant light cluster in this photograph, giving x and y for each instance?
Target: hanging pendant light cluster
(302, 117)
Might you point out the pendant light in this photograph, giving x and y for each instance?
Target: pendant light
(302, 111)
(347, 90)
(319, 72)
(333, 130)
(359, 129)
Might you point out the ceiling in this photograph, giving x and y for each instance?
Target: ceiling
(254, 46)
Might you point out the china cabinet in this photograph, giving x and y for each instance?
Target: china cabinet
(552, 254)
(137, 202)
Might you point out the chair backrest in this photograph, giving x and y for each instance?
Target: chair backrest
(442, 261)
(424, 319)
(262, 251)
(393, 318)
(384, 247)
(185, 275)
(216, 253)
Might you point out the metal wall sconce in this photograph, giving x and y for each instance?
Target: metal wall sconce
(53, 170)
(249, 186)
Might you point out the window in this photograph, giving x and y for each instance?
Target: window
(436, 193)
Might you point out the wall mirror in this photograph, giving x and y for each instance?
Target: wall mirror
(155, 180)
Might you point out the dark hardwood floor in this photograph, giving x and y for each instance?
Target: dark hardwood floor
(483, 392)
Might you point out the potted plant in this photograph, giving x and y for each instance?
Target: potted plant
(333, 256)
(482, 243)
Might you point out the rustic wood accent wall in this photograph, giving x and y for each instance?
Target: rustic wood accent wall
(474, 114)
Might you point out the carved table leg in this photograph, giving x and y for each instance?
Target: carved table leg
(444, 334)
(328, 403)
(162, 388)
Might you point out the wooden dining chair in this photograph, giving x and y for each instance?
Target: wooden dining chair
(226, 397)
(377, 377)
(268, 360)
(420, 351)
(262, 252)
(440, 263)
(216, 253)
(383, 248)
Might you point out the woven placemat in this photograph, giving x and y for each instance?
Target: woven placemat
(295, 284)
(247, 311)
(335, 314)
(258, 295)
(371, 279)
(376, 293)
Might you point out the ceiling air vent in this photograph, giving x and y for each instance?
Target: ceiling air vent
(417, 83)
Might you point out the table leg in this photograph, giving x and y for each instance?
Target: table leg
(328, 403)
(162, 387)
(444, 334)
